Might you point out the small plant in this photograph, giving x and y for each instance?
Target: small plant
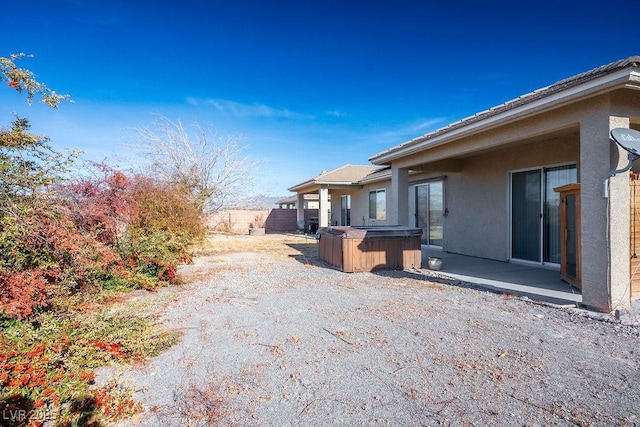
(258, 222)
(115, 401)
(224, 226)
(46, 367)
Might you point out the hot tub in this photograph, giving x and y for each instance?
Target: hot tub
(357, 249)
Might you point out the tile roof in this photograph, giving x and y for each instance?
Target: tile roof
(346, 174)
(378, 175)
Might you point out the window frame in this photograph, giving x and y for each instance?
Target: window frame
(375, 202)
(541, 211)
(345, 210)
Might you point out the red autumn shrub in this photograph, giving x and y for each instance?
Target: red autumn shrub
(22, 292)
(149, 223)
(101, 205)
(111, 231)
(43, 256)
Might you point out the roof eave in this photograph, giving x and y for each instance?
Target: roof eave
(315, 185)
(618, 79)
(302, 185)
(370, 180)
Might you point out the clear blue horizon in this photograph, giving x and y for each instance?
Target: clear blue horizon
(309, 87)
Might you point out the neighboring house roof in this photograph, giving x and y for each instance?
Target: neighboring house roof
(592, 82)
(294, 199)
(344, 175)
(288, 201)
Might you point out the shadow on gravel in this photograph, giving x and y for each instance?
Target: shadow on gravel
(308, 253)
(433, 277)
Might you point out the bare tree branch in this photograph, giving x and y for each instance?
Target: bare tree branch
(211, 169)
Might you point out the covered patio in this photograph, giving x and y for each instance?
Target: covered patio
(534, 282)
(495, 175)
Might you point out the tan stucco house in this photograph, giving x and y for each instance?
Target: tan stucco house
(336, 189)
(487, 185)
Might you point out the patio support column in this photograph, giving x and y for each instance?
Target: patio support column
(300, 207)
(604, 220)
(399, 199)
(323, 209)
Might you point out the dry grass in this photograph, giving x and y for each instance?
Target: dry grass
(276, 244)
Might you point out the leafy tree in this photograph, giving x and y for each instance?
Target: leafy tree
(33, 250)
(22, 79)
(27, 163)
(43, 255)
(50, 252)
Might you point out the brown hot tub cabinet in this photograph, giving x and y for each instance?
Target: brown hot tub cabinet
(356, 249)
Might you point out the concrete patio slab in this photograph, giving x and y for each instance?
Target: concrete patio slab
(534, 282)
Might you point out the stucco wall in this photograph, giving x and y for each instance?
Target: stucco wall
(360, 207)
(477, 197)
(359, 204)
(362, 210)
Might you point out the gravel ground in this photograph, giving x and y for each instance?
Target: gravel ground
(281, 340)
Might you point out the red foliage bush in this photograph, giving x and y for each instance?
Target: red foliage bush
(44, 256)
(22, 292)
(149, 223)
(109, 231)
(101, 206)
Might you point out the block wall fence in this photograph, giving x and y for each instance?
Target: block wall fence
(275, 220)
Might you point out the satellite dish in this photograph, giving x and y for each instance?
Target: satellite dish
(629, 139)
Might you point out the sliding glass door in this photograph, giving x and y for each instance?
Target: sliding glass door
(525, 215)
(430, 212)
(535, 227)
(345, 210)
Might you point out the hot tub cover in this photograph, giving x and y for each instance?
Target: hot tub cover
(371, 232)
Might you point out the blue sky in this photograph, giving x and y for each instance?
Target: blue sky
(309, 86)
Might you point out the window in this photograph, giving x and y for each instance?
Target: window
(378, 204)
